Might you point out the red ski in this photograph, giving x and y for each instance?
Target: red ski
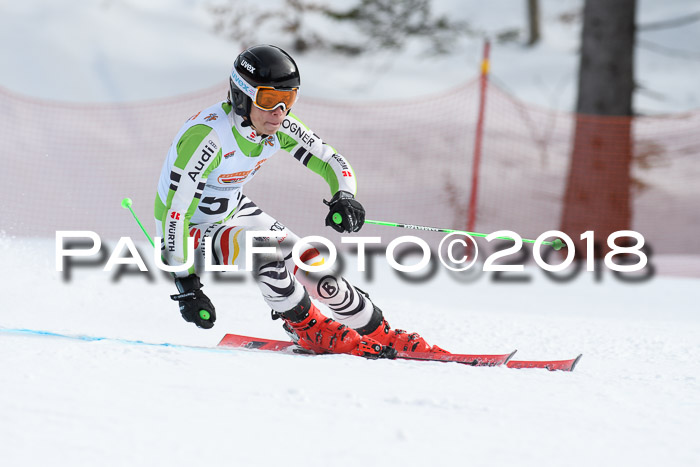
(466, 359)
(235, 340)
(257, 343)
(562, 365)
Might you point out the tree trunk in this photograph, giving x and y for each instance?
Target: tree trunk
(533, 21)
(598, 187)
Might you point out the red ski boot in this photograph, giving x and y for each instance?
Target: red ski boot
(379, 330)
(313, 331)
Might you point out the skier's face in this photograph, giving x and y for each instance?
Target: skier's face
(266, 122)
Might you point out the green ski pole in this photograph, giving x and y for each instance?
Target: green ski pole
(557, 244)
(126, 204)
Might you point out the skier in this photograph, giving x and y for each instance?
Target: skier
(218, 151)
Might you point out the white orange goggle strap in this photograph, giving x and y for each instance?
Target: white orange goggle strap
(242, 84)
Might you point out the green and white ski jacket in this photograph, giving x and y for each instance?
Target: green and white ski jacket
(213, 156)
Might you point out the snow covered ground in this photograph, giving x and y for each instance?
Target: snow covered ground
(634, 398)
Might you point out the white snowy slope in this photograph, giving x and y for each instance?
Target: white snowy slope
(634, 398)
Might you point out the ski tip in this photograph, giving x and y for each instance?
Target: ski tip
(573, 365)
(510, 356)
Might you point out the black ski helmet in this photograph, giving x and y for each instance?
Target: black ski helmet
(262, 65)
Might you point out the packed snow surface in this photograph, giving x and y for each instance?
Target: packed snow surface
(634, 398)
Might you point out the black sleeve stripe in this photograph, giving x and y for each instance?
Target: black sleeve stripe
(200, 185)
(198, 194)
(173, 187)
(307, 159)
(299, 153)
(174, 176)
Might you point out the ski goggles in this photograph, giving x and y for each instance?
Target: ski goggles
(266, 97)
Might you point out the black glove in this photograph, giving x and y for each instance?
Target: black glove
(194, 305)
(346, 214)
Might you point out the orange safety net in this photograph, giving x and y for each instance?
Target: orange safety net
(67, 166)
